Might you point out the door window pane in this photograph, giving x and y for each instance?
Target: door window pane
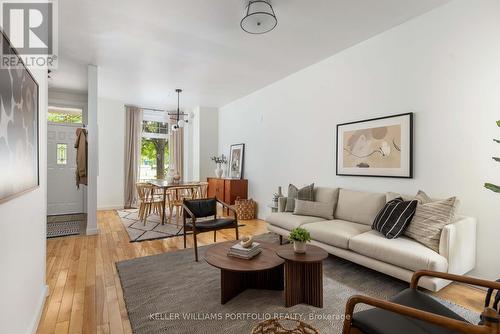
(62, 154)
(65, 115)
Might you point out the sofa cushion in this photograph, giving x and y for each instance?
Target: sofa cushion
(289, 221)
(335, 232)
(359, 206)
(316, 209)
(326, 195)
(402, 252)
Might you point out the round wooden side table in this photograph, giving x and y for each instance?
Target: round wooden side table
(303, 275)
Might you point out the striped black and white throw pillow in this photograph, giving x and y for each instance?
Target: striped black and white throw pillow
(394, 217)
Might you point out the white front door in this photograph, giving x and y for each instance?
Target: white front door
(63, 196)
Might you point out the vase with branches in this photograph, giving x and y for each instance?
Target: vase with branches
(491, 186)
(219, 161)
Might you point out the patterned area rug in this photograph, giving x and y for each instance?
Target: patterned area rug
(65, 225)
(171, 293)
(153, 229)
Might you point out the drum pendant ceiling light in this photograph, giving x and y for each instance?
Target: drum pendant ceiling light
(259, 18)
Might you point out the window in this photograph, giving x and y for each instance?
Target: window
(62, 154)
(65, 115)
(155, 155)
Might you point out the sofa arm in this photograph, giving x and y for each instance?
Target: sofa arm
(458, 245)
(281, 204)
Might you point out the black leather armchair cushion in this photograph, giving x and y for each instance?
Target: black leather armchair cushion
(379, 321)
(202, 207)
(211, 224)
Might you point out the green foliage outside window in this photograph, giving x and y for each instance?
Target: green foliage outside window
(64, 118)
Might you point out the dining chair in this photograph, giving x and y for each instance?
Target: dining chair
(175, 197)
(201, 190)
(149, 202)
(204, 208)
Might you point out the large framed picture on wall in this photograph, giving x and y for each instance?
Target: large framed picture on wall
(18, 126)
(380, 147)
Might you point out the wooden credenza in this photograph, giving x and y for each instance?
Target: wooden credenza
(227, 190)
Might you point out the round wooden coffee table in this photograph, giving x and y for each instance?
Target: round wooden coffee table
(303, 275)
(264, 271)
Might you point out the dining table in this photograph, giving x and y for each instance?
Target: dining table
(165, 185)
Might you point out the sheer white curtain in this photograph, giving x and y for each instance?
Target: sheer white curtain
(133, 137)
(176, 149)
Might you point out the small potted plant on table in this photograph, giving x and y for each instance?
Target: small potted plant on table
(299, 236)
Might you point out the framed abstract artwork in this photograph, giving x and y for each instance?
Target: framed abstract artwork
(236, 161)
(380, 147)
(18, 127)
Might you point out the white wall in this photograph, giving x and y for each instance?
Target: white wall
(110, 181)
(92, 154)
(444, 66)
(22, 243)
(202, 143)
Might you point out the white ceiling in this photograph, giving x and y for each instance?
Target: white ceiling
(145, 49)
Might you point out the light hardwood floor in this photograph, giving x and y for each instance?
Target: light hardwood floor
(85, 291)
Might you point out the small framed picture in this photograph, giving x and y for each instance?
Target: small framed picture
(236, 161)
(380, 147)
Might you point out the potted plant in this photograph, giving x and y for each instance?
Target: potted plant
(219, 161)
(299, 236)
(491, 186)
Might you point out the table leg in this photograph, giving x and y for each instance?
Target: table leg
(233, 283)
(303, 283)
(164, 205)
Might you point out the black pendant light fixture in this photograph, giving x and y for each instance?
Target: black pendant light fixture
(179, 118)
(260, 17)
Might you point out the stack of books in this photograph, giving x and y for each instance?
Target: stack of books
(241, 252)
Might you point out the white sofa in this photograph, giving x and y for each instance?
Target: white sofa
(349, 236)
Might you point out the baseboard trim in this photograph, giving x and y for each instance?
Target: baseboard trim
(110, 207)
(92, 231)
(39, 310)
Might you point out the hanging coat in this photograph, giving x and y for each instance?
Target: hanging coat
(81, 157)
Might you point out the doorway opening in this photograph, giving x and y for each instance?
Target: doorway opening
(65, 201)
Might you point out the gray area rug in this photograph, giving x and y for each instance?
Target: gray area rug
(171, 293)
(66, 225)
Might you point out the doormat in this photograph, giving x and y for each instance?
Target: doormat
(65, 225)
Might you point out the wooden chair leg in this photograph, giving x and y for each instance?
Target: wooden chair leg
(195, 247)
(177, 215)
(215, 236)
(170, 211)
(281, 240)
(141, 211)
(184, 228)
(147, 212)
(237, 234)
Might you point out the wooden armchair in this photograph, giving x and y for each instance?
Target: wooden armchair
(202, 208)
(415, 312)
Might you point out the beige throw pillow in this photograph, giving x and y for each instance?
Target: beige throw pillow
(315, 209)
(430, 219)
